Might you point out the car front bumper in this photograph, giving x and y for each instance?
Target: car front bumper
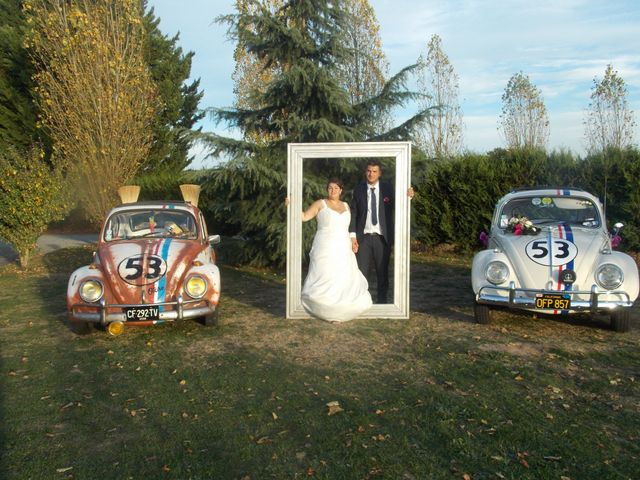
(581, 300)
(103, 313)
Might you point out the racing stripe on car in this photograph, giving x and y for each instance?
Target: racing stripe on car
(569, 236)
(161, 294)
(560, 267)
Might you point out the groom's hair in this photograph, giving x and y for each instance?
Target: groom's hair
(374, 162)
(337, 182)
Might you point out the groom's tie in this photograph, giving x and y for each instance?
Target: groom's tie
(374, 209)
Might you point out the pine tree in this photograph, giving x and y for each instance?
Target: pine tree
(170, 69)
(17, 110)
(303, 44)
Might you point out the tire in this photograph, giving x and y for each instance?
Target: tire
(80, 328)
(211, 320)
(620, 320)
(482, 313)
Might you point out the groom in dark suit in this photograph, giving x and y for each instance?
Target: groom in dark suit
(372, 226)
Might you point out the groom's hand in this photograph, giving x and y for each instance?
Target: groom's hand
(354, 245)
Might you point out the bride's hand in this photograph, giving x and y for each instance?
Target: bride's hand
(354, 245)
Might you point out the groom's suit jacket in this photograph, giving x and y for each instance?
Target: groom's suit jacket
(386, 208)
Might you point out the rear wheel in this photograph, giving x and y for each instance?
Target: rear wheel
(211, 320)
(620, 320)
(482, 313)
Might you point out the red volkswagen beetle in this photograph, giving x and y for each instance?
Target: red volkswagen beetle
(154, 263)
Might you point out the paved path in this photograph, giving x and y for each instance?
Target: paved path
(48, 243)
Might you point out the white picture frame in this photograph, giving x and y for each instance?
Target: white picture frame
(297, 154)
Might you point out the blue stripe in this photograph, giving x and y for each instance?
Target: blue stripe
(566, 193)
(569, 237)
(163, 281)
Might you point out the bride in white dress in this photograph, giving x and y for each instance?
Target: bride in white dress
(335, 289)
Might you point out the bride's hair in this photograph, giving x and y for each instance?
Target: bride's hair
(337, 182)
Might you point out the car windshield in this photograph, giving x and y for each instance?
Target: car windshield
(542, 210)
(128, 224)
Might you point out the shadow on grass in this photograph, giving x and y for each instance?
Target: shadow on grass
(442, 289)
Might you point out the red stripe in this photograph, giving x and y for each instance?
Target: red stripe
(560, 268)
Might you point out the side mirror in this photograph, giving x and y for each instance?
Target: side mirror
(617, 227)
(214, 239)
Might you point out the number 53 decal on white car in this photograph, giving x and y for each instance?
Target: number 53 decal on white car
(555, 253)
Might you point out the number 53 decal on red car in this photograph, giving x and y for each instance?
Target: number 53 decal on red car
(142, 269)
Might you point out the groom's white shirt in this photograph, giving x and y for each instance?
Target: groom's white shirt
(368, 226)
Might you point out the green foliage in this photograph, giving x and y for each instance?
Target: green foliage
(33, 195)
(170, 69)
(456, 198)
(17, 111)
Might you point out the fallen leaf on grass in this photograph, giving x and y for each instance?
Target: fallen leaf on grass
(274, 415)
(522, 459)
(334, 407)
(466, 476)
(518, 378)
(263, 440)
(552, 458)
(64, 469)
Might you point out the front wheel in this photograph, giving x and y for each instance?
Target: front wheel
(80, 328)
(620, 320)
(211, 320)
(482, 313)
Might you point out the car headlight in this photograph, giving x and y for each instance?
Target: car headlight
(196, 286)
(91, 291)
(609, 276)
(497, 272)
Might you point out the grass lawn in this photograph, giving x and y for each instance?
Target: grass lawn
(436, 396)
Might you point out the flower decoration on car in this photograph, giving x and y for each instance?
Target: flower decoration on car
(522, 226)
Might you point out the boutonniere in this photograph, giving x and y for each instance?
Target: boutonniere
(386, 199)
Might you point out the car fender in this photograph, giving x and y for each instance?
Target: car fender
(629, 268)
(479, 266)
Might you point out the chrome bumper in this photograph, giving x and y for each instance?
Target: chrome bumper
(525, 298)
(180, 310)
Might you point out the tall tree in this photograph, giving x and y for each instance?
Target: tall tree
(362, 72)
(94, 91)
(441, 136)
(303, 44)
(609, 122)
(17, 111)
(178, 113)
(524, 119)
(366, 69)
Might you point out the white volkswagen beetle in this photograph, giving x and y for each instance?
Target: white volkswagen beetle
(549, 251)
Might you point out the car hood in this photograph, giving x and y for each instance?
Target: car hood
(147, 271)
(539, 259)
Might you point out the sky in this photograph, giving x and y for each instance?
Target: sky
(562, 45)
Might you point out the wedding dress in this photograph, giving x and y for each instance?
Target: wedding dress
(335, 289)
